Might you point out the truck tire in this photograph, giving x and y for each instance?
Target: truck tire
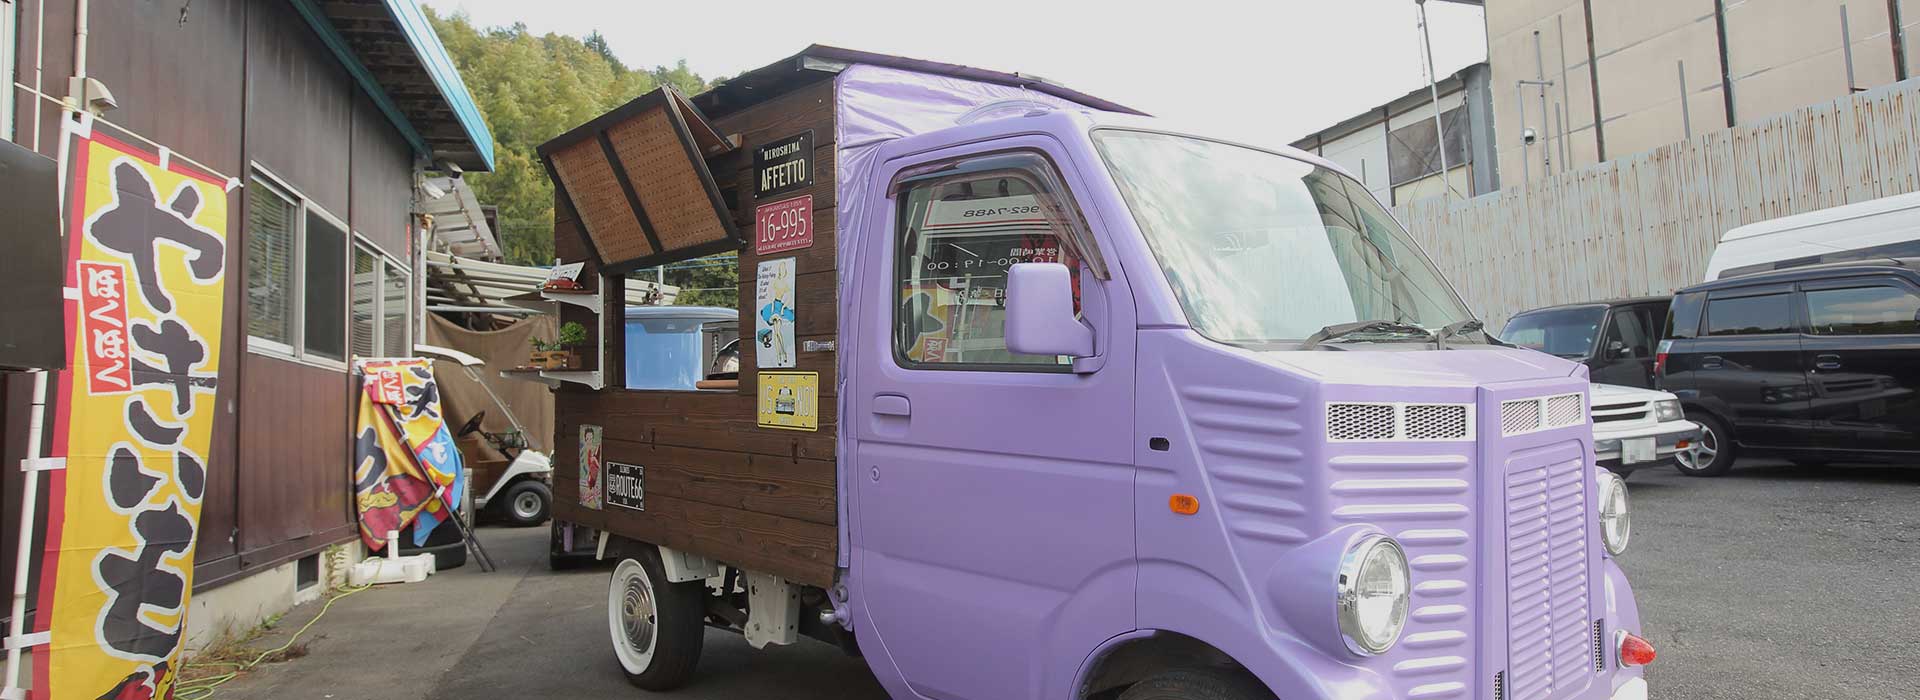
(1199, 684)
(657, 627)
(526, 503)
(1715, 452)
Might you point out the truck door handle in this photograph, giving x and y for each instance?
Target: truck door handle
(892, 405)
(1826, 361)
(1710, 362)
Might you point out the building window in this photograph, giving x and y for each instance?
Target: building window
(1413, 151)
(958, 234)
(381, 305)
(296, 276)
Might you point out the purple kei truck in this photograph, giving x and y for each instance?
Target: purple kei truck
(1130, 412)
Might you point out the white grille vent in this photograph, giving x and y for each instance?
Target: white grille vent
(1436, 421)
(1360, 421)
(1381, 422)
(1565, 410)
(1522, 416)
(1528, 415)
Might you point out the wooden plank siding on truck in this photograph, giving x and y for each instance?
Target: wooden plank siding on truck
(717, 484)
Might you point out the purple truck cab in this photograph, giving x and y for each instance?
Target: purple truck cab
(1127, 412)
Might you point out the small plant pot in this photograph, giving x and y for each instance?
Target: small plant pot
(554, 359)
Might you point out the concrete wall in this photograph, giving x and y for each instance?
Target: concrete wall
(1781, 54)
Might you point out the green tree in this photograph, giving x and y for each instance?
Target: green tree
(530, 89)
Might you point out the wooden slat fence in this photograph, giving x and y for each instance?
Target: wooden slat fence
(1647, 223)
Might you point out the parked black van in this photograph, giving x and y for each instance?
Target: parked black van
(1622, 354)
(1815, 364)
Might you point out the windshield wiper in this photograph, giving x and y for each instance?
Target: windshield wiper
(1344, 329)
(1456, 328)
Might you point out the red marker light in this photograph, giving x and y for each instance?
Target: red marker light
(1660, 358)
(1635, 651)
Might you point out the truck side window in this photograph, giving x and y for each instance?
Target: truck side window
(1754, 315)
(958, 233)
(1629, 329)
(1863, 311)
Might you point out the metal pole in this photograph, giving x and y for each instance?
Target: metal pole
(1686, 116)
(29, 498)
(1560, 128)
(1540, 71)
(1433, 90)
(1526, 167)
(1846, 48)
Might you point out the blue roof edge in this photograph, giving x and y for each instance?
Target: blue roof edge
(433, 55)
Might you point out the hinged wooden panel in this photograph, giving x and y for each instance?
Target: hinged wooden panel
(636, 179)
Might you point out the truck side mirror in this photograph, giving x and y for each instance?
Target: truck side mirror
(1040, 319)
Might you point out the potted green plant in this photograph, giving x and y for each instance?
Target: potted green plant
(558, 353)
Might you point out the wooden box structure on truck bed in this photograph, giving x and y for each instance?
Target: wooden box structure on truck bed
(667, 178)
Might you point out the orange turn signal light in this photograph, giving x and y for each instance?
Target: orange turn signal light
(1635, 651)
(1681, 445)
(1183, 504)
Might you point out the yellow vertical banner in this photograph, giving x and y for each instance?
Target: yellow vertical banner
(135, 410)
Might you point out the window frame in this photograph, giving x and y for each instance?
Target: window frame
(383, 263)
(1837, 284)
(936, 170)
(295, 349)
(1795, 323)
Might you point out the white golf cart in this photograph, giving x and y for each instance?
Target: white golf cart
(522, 493)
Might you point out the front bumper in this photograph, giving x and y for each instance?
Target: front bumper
(1633, 689)
(1666, 442)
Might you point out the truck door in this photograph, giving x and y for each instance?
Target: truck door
(994, 497)
(1748, 356)
(1625, 355)
(1863, 335)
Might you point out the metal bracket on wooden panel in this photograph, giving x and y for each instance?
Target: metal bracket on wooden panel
(600, 550)
(682, 567)
(773, 610)
(43, 464)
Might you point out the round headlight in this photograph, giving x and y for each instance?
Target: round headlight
(1616, 517)
(1373, 588)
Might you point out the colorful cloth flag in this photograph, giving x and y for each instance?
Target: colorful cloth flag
(406, 468)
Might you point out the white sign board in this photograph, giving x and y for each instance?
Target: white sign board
(773, 314)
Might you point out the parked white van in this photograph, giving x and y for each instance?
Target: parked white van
(1888, 227)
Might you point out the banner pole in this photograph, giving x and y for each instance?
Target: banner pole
(29, 498)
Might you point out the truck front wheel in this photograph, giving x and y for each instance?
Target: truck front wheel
(1198, 684)
(657, 627)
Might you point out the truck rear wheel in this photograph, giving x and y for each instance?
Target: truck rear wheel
(657, 627)
(1199, 684)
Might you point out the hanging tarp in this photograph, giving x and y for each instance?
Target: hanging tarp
(406, 467)
(637, 178)
(147, 245)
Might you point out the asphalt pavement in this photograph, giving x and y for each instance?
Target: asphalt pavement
(1773, 582)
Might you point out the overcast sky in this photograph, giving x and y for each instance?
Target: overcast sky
(1265, 71)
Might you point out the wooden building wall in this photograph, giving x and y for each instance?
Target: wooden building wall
(717, 484)
(240, 82)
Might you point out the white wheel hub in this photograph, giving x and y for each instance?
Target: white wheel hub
(632, 616)
(526, 505)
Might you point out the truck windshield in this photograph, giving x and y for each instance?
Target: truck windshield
(1567, 332)
(1261, 248)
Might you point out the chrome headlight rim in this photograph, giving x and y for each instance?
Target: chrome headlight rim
(1616, 514)
(1347, 594)
(1668, 410)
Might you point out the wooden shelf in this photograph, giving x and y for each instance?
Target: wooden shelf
(555, 377)
(537, 300)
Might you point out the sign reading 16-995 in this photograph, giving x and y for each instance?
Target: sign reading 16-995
(783, 166)
(783, 225)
